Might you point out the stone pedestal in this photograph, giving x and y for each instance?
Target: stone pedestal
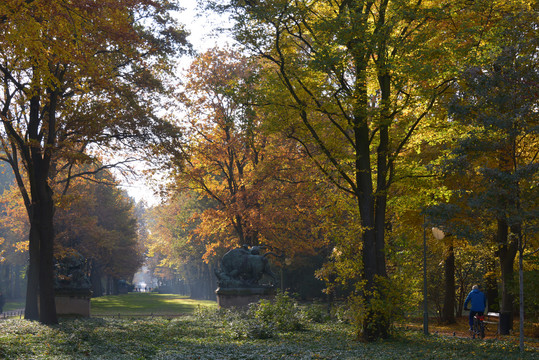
(73, 302)
(242, 297)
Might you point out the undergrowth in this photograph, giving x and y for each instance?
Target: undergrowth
(279, 330)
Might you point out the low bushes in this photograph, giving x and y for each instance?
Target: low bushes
(265, 319)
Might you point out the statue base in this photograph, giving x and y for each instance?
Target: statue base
(73, 302)
(242, 297)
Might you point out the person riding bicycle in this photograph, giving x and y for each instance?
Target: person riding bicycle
(479, 303)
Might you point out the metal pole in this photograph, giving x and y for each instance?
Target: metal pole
(521, 292)
(425, 305)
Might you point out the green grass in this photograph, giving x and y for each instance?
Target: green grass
(14, 305)
(146, 304)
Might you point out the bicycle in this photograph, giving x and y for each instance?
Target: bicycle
(478, 328)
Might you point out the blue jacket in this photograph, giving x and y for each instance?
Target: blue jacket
(478, 299)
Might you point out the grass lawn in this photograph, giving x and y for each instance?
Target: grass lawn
(210, 334)
(14, 305)
(146, 304)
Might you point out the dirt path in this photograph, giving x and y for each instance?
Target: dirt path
(460, 329)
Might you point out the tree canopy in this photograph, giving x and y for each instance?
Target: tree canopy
(77, 76)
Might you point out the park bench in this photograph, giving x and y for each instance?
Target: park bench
(493, 318)
(12, 313)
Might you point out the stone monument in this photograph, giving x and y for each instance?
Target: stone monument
(72, 285)
(239, 276)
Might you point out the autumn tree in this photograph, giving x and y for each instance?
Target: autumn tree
(97, 220)
(255, 181)
(353, 80)
(499, 105)
(76, 74)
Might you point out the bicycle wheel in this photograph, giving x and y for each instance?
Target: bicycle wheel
(482, 329)
(475, 328)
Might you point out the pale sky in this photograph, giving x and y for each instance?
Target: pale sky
(202, 26)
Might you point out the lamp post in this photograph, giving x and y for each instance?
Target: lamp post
(425, 304)
(439, 235)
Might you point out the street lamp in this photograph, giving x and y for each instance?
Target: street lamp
(425, 304)
(438, 234)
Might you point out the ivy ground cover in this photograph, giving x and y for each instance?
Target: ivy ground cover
(195, 337)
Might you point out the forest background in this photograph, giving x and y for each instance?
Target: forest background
(334, 133)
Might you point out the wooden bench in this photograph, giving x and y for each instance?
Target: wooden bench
(493, 318)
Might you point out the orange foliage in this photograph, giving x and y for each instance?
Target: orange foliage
(258, 184)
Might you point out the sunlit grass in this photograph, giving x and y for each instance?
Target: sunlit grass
(146, 303)
(14, 305)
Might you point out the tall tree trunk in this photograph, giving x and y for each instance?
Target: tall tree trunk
(491, 285)
(47, 306)
(31, 310)
(95, 279)
(43, 216)
(507, 253)
(371, 205)
(42, 197)
(448, 310)
(382, 167)
(41, 253)
(375, 324)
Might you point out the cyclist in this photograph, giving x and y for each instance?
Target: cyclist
(479, 303)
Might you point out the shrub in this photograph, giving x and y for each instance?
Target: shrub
(207, 313)
(243, 325)
(283, 312)
(317, 313)
(263, 320)
(343, 313)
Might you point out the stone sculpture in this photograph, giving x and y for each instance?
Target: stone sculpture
(71, 273)
(72, 286)
(243, 268)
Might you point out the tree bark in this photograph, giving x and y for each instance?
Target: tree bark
(31, 310)
(47, 306)
(95, 279)
(372, 205)
(507, 253)
(448, 310)
(40, 147)
(491, 285)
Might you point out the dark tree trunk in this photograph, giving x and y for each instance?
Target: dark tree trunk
(95, 279)
(42, 195)
(41, 252)
(47, 306)
(383, 168)
(448, 310)
(507, 253)
(491, 286)
(31, 311)
(40, 213)
(43, 217)
(115, 286)
(372, 207)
